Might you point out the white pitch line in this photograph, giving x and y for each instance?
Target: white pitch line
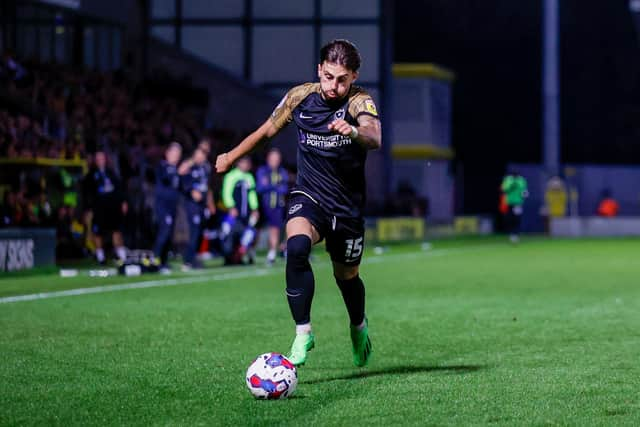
(218, 277)
(136, 285)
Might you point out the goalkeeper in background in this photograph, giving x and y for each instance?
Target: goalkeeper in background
(514, 187)
(238, 228)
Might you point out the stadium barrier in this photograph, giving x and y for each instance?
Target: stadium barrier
(414, 229)
(26, 248)
(595, 227)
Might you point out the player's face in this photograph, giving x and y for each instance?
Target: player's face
(101, 160)
(335, 80)
(244, 164)
(200, 156)
(274, 159)
(173, 155)
(205, 145)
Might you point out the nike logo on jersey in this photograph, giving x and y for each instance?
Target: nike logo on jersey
(302, 116)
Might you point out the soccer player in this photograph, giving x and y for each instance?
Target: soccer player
(514, 187)
(167, 197)
(272, 185)
(337, 124)
(195, 173)
(105, 198)
(239, 197)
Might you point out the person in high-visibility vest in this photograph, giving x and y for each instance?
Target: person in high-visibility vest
(515, 189)
(238, 228)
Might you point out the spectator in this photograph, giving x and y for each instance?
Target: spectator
(10, 209)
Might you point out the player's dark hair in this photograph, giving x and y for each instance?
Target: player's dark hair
(341, 52)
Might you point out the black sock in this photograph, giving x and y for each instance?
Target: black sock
(353, 295)
(300, 282)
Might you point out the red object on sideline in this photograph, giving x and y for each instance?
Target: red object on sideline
(608, 208)
(503, 207)
(204, 246)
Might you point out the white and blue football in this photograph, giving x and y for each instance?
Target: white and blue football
(272, 376)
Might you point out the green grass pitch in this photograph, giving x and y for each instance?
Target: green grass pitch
(470, 332)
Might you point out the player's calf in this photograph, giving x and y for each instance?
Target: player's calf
(300, 289)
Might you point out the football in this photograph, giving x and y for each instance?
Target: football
(272, 376)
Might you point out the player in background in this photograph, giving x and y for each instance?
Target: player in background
(337, 125)
(167, 198)
(238, 228)
(195, 173)
(106, 200)
(514, 186)
(272, 185)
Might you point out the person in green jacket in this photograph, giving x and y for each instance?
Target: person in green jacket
(238, 228)
(514, 186)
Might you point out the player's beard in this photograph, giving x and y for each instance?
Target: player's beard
(335, 100)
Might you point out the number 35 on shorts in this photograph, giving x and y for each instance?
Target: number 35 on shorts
(354, 249)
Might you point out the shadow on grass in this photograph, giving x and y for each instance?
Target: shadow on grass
(401, 370)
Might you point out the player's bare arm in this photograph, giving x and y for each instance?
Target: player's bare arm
(185, 166)
(266, 131)
(368, 133)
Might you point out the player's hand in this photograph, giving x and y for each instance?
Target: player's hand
(233, 212)
(223, 163)
(125, 208)
(341, 126)
(196, 195)
(253, 219)
(184, 167)
(212, 208)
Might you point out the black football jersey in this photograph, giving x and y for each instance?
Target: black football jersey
(167, 183)
(330, 166)
(197, 179)
(102, 187)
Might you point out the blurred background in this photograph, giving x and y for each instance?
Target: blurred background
(468, 92)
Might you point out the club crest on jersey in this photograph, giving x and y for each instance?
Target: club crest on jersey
(339, 114)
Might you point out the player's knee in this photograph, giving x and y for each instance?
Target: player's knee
(298, 251)
(345, 272)
(346, 275)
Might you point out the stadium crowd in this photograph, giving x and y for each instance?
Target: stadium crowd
(57, 112)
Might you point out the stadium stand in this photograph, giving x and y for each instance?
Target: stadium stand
(58, 115)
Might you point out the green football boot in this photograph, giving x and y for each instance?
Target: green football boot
(362, 348)
(301, 345)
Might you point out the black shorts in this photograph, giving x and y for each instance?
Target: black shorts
(107, 219)
(344, 236)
